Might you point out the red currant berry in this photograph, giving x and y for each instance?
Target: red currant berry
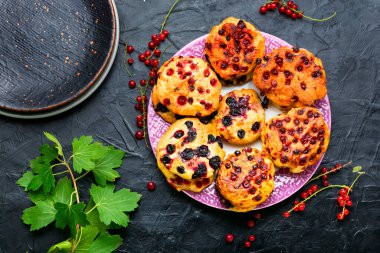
(263, 10)
(247, 244)
(290, 4)
(286, 214)
(250, 223)
(142, 82)
(346, 212)
(161, 37)
(132, 84)
(296, 202)
(138, 99)
(157, 52)
(325, 183)
(156, 42)
(141, 57)
(257, 216)
(296, 209)
(295, 7)
(294, 16)
(340, 216)
(147, 53)
(273, 6)
(289, 12)
(151, 45)
(310, 191)
(251, 238)
(154, 36)
(139, 134)
(152, 82)
(282, 9)
(341, 202)
(151, 185)
(153, 62)
(152, 74)
(339, 198)
(229, 238)
(314, 188)
(304, 195)
(301, 207)
(144, 98)
(138, 107)
(146, 62)
(325, 177)
(342, 192)
(268, 6)
(130, 49)
(347, 197)
(300, 15)
(140, 124)
(166, 33)
(349, 203)
(323, 170)
(338, 165)
(130, 61)
(139, 117)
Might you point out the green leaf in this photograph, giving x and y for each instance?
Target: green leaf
(93, 217)
(357, 169)
(43, 178)
(112, 205)
(105, 243)
(24, 181)
(62, 247)
(63, 191)
(87, 237)
(48, 153)
(58, 145)
(85, 152)
(70, 215)
(40, 215)
(104, 167)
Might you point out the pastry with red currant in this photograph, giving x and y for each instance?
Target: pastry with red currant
(246, 179)
(190, 150)
(160, 109)
(232, 49)
(291, 77)
(240, 116)
(187, 86)
(296, 140)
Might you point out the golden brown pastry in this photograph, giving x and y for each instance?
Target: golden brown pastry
(232, 48)
(297, 139)
(246, 179)
(291, 77)
(160, 109)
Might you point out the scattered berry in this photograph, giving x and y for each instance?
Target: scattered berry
(142, 82)
(340, 216)
(130, 49)
(130, 61)
(251, 238)
(325, 183)
(263, 10)
(141, 57)
(151, 186)
(139, 135)
(229, 238)
(286, 214)
(247, 244)
(250, 223)
(257, 215)
(132, 84)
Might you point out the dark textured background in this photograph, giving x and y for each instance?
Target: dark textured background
(167, 221)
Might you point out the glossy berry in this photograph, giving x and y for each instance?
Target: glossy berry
(289, 12)
(300, 15)
(154, 36)
(139, 135)
(325, 183)
(151, 45)
(314, 188)
(340, 216)
(229, 238)
(257, 215)
(151, 82)
(273, 6)
(250, 223)
(152, 73)
(339, 198)
(161, 37)
(295, 7)
(268, 7)
(301, 207)
(166, 33)
(140, 124)
(130, 61)
(342, 192)
(251, 238)
(325, 177)
(157, 52)
(282, 9)
(130, 49)
(349, 203)
(139, 117)
(304, 195)
(139, 99)
(151, 186)
(142, 82)
(294, 16)
(341, 203)
(132, 84)
(147, 53)
(147, 62)
(247, 244)
(153, 62)
(323, 170)
(263, 10)
(290, 4)
(138, 107)
(286, 214)
(346, 212)
(309, 192)
(141, 57)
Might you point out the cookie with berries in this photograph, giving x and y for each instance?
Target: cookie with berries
(232, 49)
(246, 179)
(240, 116)
(190, 149)
(291, 77)
(296, 140)
(160, 109)
(187, 86)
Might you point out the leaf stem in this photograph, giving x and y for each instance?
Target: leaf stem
(307, 17)
(92, 209)
(328, 172)
(60, 173)
(82, 176)
(168, 14)
(125, 60)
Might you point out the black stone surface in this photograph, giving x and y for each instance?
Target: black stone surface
(167, 221)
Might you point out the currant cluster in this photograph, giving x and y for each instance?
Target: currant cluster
(344, 201)
(251, 237)
(151, 59)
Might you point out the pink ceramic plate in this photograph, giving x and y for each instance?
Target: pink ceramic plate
(286, 183)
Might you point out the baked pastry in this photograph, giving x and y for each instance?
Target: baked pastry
(232, 48)
(187, 86)
(297, 139)
(240, 116)
(190, 150)
(246, 179)
(160, 109)
(291, 77)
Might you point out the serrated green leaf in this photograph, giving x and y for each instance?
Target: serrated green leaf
(104, 167)
(357, 169)
(48, 153)
(105, 243)
(24, 181)
(63, 191)
(58, 145)
(85, 152)
(43, 178)
(88, 234)
(93, 217)
(113, 205)
(62, 247)
(70, 215)
(39, 195)
(40, 215)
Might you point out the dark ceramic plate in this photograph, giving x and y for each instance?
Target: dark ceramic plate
(52, 51)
